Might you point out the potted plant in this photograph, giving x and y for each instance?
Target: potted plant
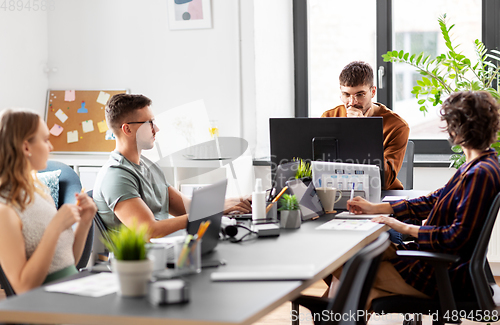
(130, 261)
(304, 171)
(451, 72)
(289, 212)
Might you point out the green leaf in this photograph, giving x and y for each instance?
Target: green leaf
(405, 57)
(412, 57)
(419, 58)
(421, 101)
(423, 109)
(401, 53)
(435, 82)
(457, 149)
(426, 81)
(420, 83)
(387, 57)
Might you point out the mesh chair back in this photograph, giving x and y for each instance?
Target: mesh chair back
(356, 281)
(487, 292)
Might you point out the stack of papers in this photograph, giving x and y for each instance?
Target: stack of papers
(90, 286)
(339, 224)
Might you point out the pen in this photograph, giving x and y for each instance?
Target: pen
(276, 198)
(184, 251)
(201, 231)
(78, 201)
(352, 194)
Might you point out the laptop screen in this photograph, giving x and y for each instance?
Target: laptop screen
(207, 204)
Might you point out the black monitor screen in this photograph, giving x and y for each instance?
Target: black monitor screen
(338, 139)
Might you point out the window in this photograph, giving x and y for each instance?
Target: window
(335, 33)
(332, 45)
(422, 34)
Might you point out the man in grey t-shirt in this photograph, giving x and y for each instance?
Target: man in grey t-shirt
(129, 186)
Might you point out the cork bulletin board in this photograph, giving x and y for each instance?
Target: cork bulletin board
(76, 120)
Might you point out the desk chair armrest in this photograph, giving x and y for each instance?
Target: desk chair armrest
(440, 262)
(429, 257)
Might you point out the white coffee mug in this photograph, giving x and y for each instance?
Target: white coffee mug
(328, 197)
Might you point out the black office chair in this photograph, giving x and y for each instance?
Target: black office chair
(103, 229)
(405, 174)
(355, 284)
(486, 290)
(6, 284)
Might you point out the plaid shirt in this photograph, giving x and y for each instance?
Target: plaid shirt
(454, 216)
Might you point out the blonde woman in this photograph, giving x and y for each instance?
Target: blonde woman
(37, 243)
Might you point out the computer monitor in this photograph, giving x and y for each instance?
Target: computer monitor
(338, 139)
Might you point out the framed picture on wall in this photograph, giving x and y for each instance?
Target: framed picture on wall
(189, 14)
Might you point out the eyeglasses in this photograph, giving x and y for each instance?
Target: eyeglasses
(358, 97)
(151, 123)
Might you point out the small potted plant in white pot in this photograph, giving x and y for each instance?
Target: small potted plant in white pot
(289, 212)
(130, 261)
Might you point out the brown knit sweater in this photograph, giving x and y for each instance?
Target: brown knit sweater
(396, 133)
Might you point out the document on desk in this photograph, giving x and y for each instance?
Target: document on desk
(347, 215)
(97, 285)
(265, 273)
(343, 224)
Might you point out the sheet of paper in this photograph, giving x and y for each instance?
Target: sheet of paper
(56, 130)
(390, 198)
(97, 285)
(72, 136)
(339, 224)
(87, 126)
(61, 116)
(346, 215)
(103, 127)
(103, 97)
(69, 96)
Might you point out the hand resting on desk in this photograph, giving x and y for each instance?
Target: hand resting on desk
(358, 205)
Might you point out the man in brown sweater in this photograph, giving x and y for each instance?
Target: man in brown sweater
(357, 91)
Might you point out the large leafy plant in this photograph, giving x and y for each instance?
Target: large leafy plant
(128, 243)
(451, 72)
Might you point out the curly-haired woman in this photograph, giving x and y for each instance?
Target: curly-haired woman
(454, 214)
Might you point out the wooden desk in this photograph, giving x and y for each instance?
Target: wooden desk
(211, 302)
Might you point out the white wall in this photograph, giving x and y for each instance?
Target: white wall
(23, 57)
(117, 44)
(274, 69)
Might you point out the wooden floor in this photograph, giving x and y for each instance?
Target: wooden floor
(281, 315)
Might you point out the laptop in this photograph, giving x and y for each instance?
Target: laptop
(207, 203)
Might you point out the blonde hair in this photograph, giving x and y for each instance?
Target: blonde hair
(17, 184)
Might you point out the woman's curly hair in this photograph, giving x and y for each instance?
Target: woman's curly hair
(472, 119)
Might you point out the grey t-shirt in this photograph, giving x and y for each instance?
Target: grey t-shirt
(120, 179)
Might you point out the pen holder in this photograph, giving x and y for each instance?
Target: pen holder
(272, 215)
(188, 257)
